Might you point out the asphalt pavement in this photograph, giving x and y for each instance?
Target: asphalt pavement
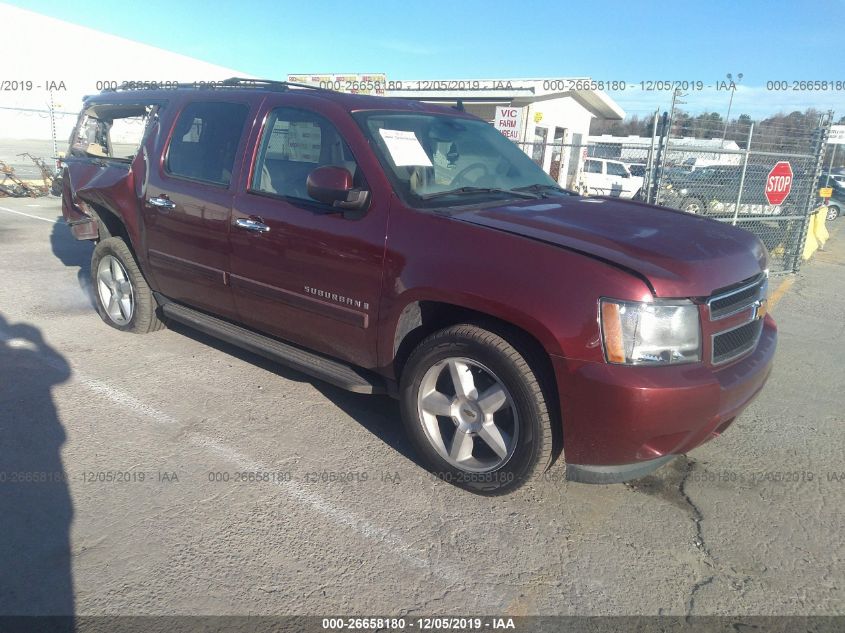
(172, 474)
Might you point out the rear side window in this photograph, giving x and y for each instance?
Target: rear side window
(294, 143)
(111, 131)
(615, 169)
(205, 140)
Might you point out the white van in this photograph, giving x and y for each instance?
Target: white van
(603, 177)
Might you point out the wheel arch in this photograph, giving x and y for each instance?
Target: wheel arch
(420, 318)
(112, 223)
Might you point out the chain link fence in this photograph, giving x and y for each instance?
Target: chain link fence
(765, 181)
(723, 172)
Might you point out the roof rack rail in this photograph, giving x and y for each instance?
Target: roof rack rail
(268, 83)
(231, 82)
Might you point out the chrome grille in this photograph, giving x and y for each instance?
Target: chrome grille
(733, 343)
(741, 339)
(724, 304)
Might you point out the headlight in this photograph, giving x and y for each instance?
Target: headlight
(643, 333)
(684, 192)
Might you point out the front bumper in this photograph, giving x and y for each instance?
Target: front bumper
(622, 422)
(586, 474)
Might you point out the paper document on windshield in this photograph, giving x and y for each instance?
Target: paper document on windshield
(405, 148)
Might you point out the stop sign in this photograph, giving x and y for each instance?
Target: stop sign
(779, 183)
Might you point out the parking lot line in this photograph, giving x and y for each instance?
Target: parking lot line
(29, 215)
(297, 493)
(781, 290)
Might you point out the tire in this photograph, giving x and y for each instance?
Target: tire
(115, 275)
(693, 206)
(832, 212)
(514, 404)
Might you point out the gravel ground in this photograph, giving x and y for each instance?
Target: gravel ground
(347, 522)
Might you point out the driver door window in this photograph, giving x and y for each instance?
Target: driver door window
(296, 142)
(592, 167)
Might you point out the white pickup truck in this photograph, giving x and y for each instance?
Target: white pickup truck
(603, 177)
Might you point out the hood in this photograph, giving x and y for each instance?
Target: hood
(679, 254)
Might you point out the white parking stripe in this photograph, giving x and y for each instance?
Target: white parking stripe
(29, 215)
(294, 490)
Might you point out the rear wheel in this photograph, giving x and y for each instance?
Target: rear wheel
(475, 411)
(832, 212)
(124, 300)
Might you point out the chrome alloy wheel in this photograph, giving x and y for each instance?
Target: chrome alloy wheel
(115, 289)
(468, 415)
(692, 206)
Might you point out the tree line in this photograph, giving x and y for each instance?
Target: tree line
(794, 132)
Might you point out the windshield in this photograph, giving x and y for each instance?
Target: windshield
(438, 160)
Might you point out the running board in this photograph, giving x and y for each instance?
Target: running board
(332, 371)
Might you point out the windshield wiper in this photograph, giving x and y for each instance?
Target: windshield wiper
(465, 190)
(538, 187)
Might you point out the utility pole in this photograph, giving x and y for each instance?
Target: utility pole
(676, 101)
(53, 126)
(730, 103)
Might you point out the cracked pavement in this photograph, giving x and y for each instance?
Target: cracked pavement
(346, 522)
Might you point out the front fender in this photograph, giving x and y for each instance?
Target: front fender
(547, 291)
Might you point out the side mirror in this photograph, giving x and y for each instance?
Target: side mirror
(333, 185)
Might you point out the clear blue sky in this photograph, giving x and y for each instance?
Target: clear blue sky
(611, 40)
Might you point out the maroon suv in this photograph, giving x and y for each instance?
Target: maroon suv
(388, 246)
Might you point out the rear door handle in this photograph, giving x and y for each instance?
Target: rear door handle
(252, 225)
(162, 202)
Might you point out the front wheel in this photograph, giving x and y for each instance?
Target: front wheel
(124, 300)
(832, 212)
(475, 410)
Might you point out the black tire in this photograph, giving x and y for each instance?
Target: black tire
(833, 212)
(532, 451)
(143, 315)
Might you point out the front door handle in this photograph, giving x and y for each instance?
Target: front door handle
(252, 225)
(162, 202)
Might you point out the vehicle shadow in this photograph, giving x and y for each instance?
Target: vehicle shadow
(377, 414)
(74, 253)
(35, 503)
